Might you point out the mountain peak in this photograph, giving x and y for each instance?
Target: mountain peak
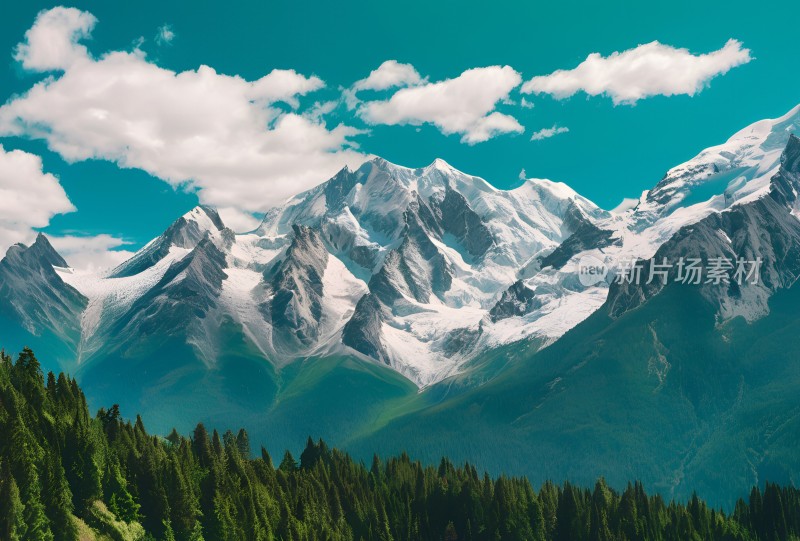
(41, 252)
(748, 154)
(190, 228)
(380, 163)
(186, 232)
(437, 164)
(206, 218)
(441, 165)
(558, 189)
(44, 252)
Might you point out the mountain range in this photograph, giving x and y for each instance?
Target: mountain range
(392, 309)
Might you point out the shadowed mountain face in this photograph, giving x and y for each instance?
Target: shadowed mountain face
(36, 305)
(385, 280)
(186, 232)
(295, 307)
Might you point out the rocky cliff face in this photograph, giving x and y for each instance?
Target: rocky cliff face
(297, 290)
(33, 294)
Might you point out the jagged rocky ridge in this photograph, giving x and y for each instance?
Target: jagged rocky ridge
(419, 269)
(32, 293)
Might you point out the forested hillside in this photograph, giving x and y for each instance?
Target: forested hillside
(65, 475)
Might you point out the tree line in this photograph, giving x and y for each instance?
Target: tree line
(65, 475)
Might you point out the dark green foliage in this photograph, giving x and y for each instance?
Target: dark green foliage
(12, 521)
(56, 462)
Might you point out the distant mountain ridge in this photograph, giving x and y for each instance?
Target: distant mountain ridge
(429, 272)
(445, 258)
(419, 269)
(432, 249)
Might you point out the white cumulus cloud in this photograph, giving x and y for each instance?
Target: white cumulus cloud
(647, 70)
(390, 74)
(463, 105)
(546, 133)
(222, 135)
(29, 197)
(52, 42)
(91, 253)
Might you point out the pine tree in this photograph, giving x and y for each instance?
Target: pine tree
(57, 499)
(24, 455)
(243, 443)
(121, 501)
(28, 379)
(184, 508)
(288, 464)
(266, 458)
(12, 517)
(599, 529)
(80, 464)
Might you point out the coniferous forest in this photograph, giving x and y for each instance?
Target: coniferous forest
(65, 474)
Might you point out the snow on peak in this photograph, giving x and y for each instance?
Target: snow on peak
(426, 218)
(443, 166)
(206, 218)
(558, 189)
(746, 155)
(185, 233)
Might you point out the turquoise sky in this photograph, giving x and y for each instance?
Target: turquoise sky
(610, 152)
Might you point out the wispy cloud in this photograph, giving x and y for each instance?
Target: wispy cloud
(90, 253)
(546, 133)
(165, 34)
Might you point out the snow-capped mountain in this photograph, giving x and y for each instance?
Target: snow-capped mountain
(319, 321)
(713, 187)
(682, 385)
(421, 269)
(433, 249)
(401, 266)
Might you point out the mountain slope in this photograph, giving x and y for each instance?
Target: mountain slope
(433, 248)
(689, 387)
(36, 307)
(389, 304)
